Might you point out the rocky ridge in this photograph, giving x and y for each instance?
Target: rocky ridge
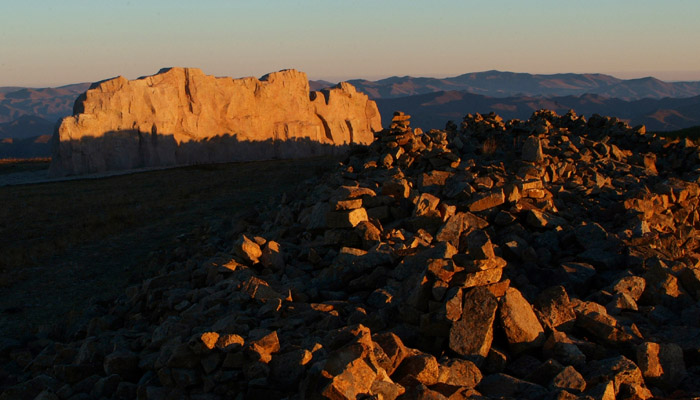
(550, 258)
(181, 116)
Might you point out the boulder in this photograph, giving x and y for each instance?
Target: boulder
(519, 322)
(662, 364)
(472, 335)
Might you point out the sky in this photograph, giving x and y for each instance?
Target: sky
(52, 43)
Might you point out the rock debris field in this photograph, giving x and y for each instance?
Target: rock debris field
(549, 258)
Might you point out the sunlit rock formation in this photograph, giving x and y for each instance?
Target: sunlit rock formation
(181, 116)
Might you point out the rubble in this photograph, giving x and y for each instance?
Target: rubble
(550, 258)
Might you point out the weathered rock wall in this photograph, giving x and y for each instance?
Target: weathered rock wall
(182, 116)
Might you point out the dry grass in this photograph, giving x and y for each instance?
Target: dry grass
(77, 239)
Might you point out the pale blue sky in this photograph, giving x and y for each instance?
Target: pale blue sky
(48, 43)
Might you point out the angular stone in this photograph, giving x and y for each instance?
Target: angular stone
(602, 391)
(459, 372)
(247, 249)
(479, 244)
(417, 369)
(346, 219)
(426, 205)
(386, 389)
(287, 369)
(554, 309)
(576, 276)
(542, 220)
(124, 363)
(393, 348)
(442, 269)
(352, 383)
(351, 193)
(211, 362)
(477, 278)
(594, 318)
(397, 188)
(499, 289)
(569, 379)
(661, 364)
(511, 193)
(519, 322)
(260, 290)
(272, 256)
(506, 386)
(230, 342)
(344, 205)
(619, 369)
(209, 339)
(350, 369)
(650, 164)
(690, 278)
(380, 298)
(451, 230)
(422, 392)
(453, 304)
(663, 287)
(620, 302)
(471, 336)
(263, 348)
(469, 264)
(485, 201)
(433, 178)
(632, 285)
(369, 233)
(532, 150)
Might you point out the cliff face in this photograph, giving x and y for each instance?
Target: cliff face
(182, 116)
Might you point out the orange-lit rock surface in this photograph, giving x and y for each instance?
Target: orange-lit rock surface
(181, 116)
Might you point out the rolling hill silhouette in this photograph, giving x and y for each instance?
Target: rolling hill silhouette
(510, 84)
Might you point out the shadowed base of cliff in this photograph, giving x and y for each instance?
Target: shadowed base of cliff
(64, 243)
(127, 150)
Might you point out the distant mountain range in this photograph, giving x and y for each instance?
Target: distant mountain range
(28, 115)
(46, 103)
(433, 110)
(512, 84)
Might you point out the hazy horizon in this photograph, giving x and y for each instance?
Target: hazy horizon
(49, 44)
(666, 76)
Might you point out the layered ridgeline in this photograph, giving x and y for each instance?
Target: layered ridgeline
(550, 258)
(182, 116)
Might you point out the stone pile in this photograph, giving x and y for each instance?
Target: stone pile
(550, 258)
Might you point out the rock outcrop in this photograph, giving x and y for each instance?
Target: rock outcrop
(181, 116)
(554, 258)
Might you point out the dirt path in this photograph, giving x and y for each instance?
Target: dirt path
(64, 243)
